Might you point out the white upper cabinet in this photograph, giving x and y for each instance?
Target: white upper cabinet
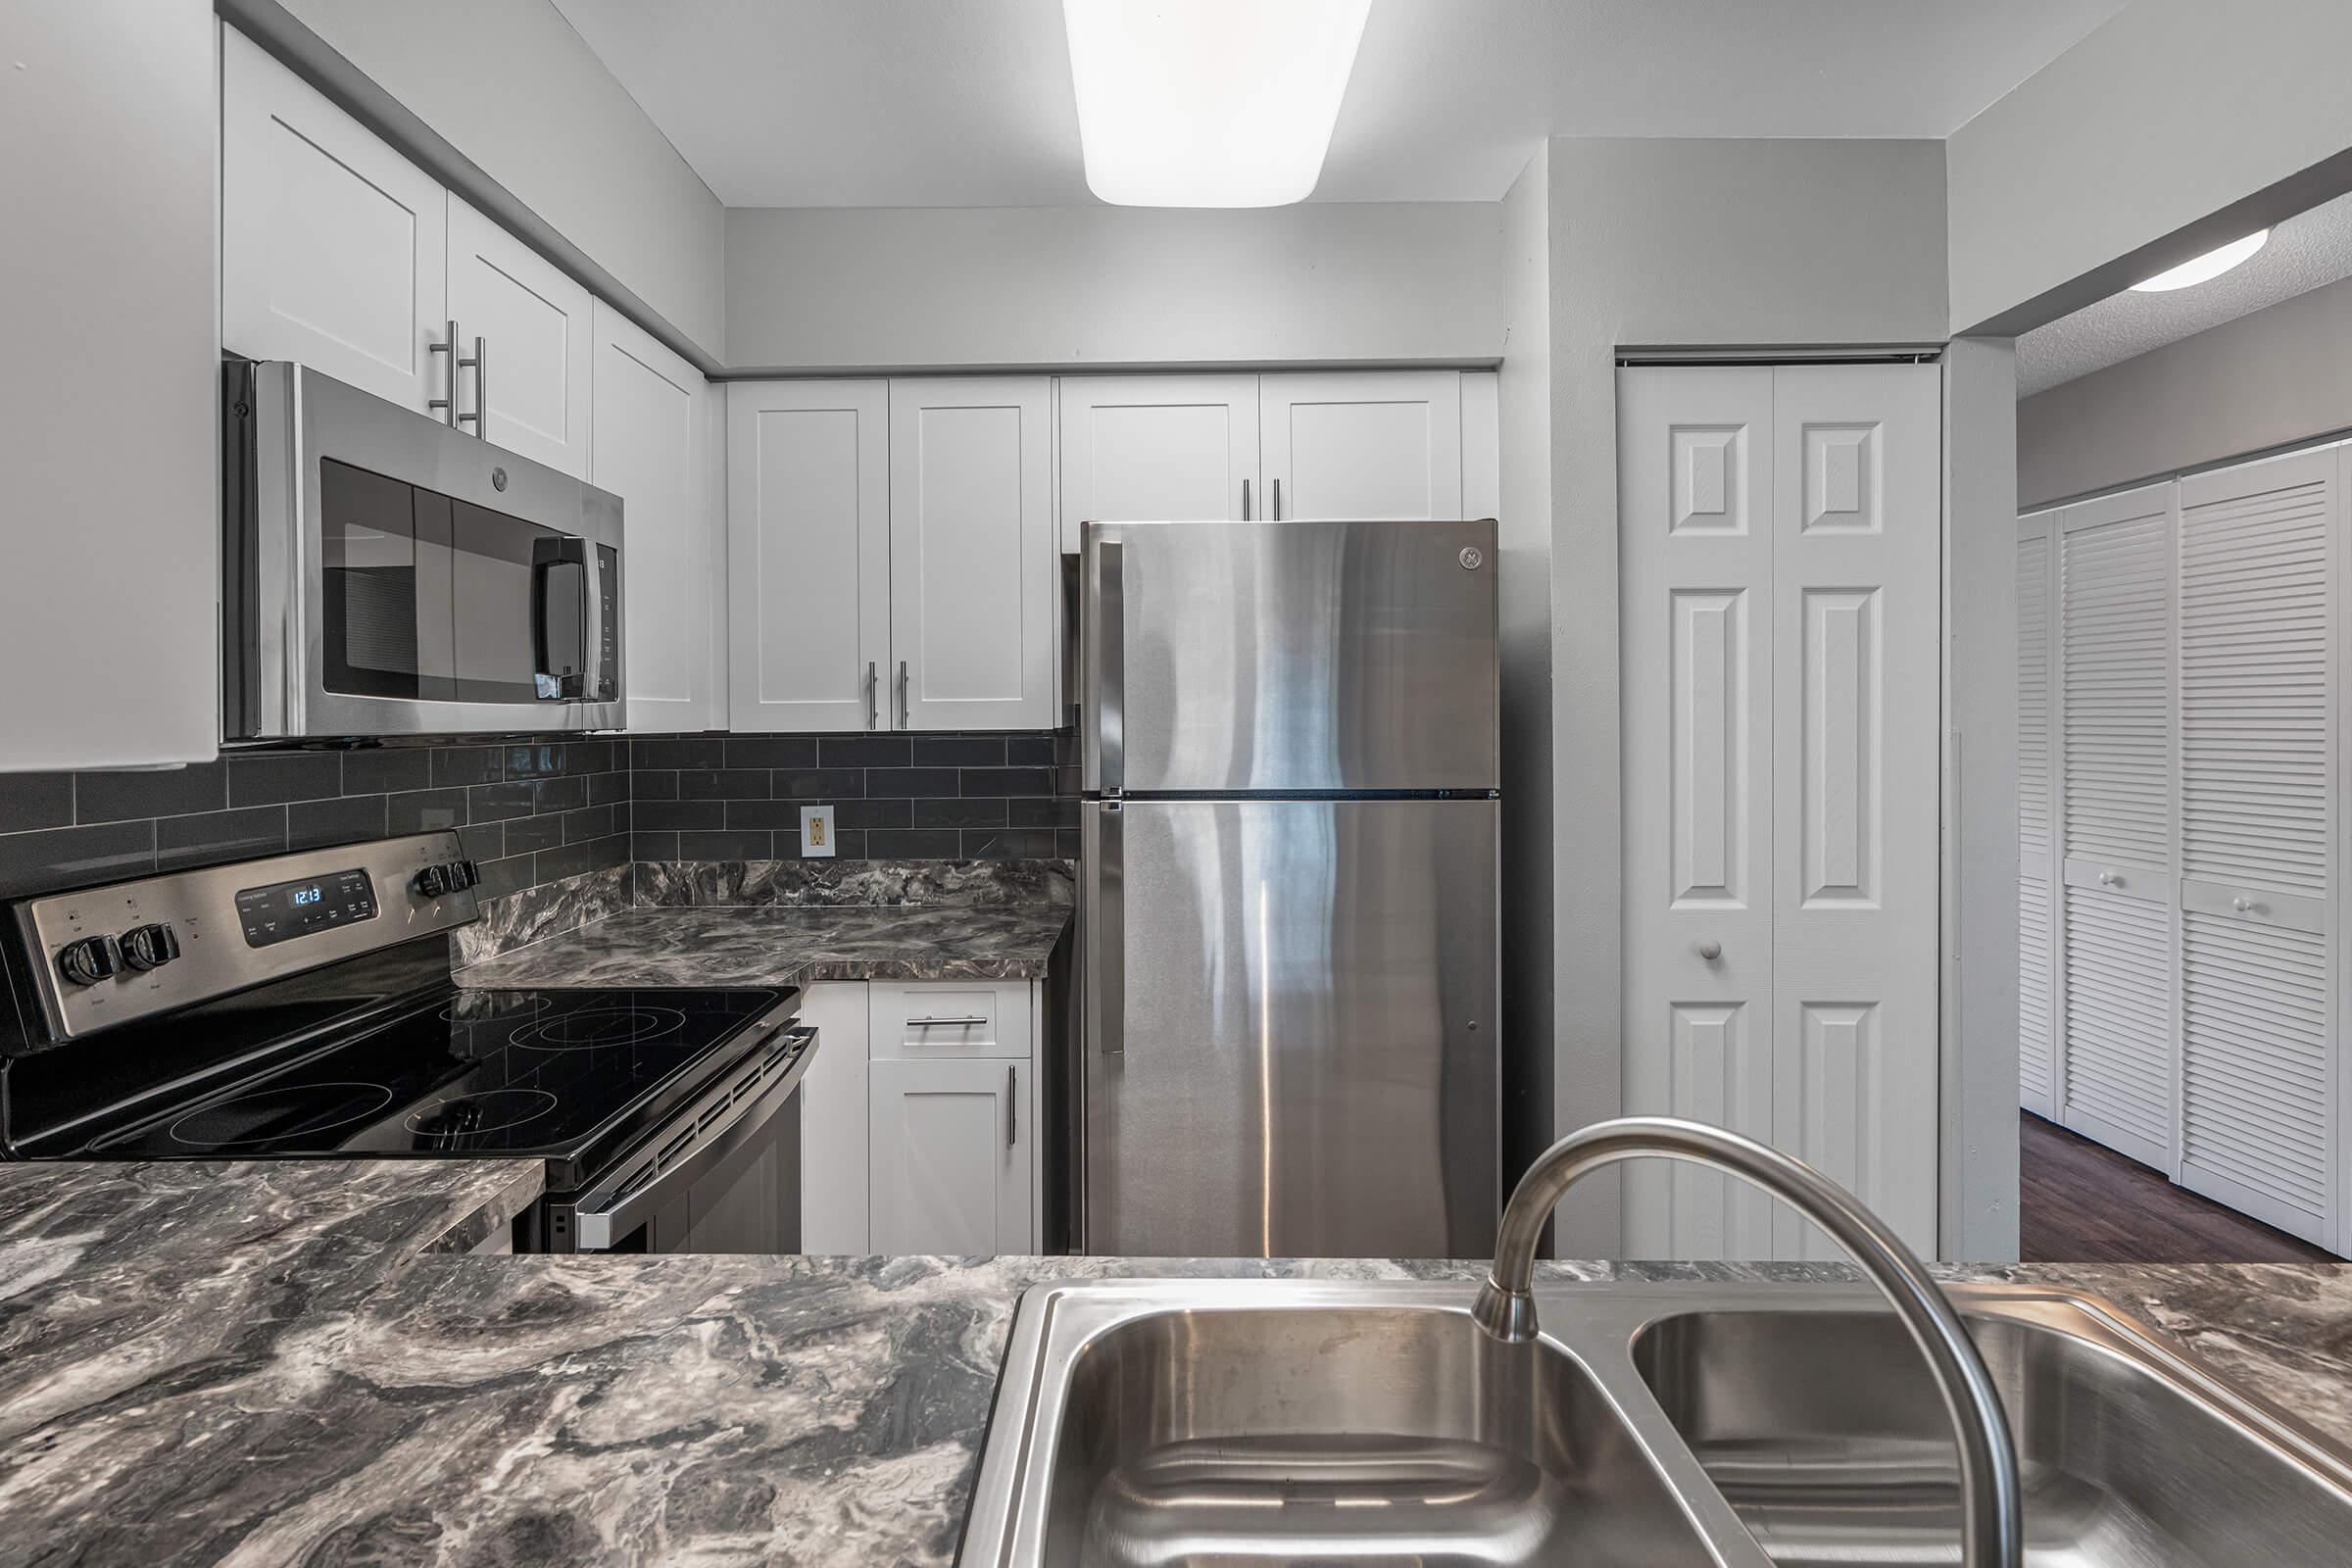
(1362, 444)
(335, 248)
(1159, 448)
(809, 555)
(972, 554)
(531, 328)
(650, 442)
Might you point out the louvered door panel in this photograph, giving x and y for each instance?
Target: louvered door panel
(2259, 978)
(2119, 1022)
(2037, 929)
(2116, 701)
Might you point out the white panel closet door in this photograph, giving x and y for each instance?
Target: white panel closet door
(2115, 800)
(2258, 613)
(2036, 914)
(1856, 668)
(1694, 472)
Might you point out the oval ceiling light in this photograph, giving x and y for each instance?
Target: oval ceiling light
(2211, 264)
(1209, 103)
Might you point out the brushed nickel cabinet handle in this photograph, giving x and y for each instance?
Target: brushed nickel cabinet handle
(873, 695)
(1245, 501)
(481, 389)
(906, 712)
(944, 1023)
(447, 404)
(1013, 1105)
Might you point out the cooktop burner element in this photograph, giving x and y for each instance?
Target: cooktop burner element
(451, 1123)
(271, 1115)
(600, 1026)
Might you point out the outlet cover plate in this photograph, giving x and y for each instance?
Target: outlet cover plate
(816, 832)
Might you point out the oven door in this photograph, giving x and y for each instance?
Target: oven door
(723, 1177)
(391, 576)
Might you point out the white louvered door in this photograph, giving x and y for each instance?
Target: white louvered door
(2258, 615)
(2036, 909)
(2117, 975)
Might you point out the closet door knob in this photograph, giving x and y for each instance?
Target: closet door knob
(2109, 879)
(2241, 904)
(1711, 950)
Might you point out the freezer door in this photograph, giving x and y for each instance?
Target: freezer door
(1290, 1039)
(1247, 657)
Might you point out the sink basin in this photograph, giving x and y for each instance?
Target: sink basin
(1233, 1423)
(1359, 1434)
(1826, 1435)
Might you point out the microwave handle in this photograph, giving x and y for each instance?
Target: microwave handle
(560, 570)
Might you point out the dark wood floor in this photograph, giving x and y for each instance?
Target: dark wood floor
(2082, 1203)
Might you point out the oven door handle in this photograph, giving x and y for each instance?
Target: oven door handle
(713, 1127)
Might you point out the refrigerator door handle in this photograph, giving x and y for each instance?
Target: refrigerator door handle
(1110, 659)
(1106, 853)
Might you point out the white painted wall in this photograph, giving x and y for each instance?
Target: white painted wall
(514, 91)
(1980, 1167)
(1681, 243)
(1525, 521)
(2177, 125)
(820, 289)
(109, 417)
(2272, 379)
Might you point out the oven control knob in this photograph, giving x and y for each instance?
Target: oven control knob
(89, 960)
(150, 946)
(451, 876)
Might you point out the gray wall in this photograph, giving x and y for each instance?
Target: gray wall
(2176, 127)
(1525, 520)
(816, 289)
(1980, 1165)
(2280, 376)
(514, 91)
(1681, 242)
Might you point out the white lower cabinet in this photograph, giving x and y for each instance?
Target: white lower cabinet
(949, 1144)
(919, 1118)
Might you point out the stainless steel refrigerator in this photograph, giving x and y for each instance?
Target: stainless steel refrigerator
(1289, 1034)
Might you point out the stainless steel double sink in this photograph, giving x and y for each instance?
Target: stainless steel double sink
(1185, 1424)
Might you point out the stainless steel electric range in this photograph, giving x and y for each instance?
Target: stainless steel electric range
(303, 1006)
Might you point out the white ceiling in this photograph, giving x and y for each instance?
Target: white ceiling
(2304, 251)
(968, 103)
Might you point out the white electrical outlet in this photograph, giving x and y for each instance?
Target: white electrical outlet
(816, 832)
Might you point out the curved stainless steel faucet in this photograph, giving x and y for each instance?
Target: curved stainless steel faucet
(1991, 1518)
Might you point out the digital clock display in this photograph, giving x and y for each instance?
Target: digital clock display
(283, 910)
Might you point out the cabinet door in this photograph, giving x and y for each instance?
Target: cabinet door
(647, 444)
(808, 555)
(335, 248)
(1159, 449)
(2259, 614)
(2036, 910)
(833, 1127)
(1362, 444)
(950, 1156)
(2118, 976)
(530, 392)
(974, 573)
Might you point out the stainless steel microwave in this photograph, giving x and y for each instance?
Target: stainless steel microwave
(386, 574)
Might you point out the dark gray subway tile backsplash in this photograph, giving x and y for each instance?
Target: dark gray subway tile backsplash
(521, 807)
(893, 796)
(535, 810)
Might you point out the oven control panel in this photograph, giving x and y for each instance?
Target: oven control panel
(105, 956)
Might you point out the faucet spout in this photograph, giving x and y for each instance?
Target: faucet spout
(1991, 1520)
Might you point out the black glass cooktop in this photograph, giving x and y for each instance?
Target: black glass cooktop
(572, 1077)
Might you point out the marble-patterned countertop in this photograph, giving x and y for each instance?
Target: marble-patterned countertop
(297, 1363)
(723, 945)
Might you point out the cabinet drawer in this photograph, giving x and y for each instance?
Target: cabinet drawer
(932, 1021)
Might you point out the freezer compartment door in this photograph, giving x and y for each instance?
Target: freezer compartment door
(1320, 657)
(1289, 1038)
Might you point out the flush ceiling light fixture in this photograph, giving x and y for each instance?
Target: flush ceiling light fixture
(1209, 103)
(2211, 264)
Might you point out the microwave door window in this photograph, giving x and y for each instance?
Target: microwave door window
(497, 658)
(385, 581)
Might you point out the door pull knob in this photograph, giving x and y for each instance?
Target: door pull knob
(1711, 950)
